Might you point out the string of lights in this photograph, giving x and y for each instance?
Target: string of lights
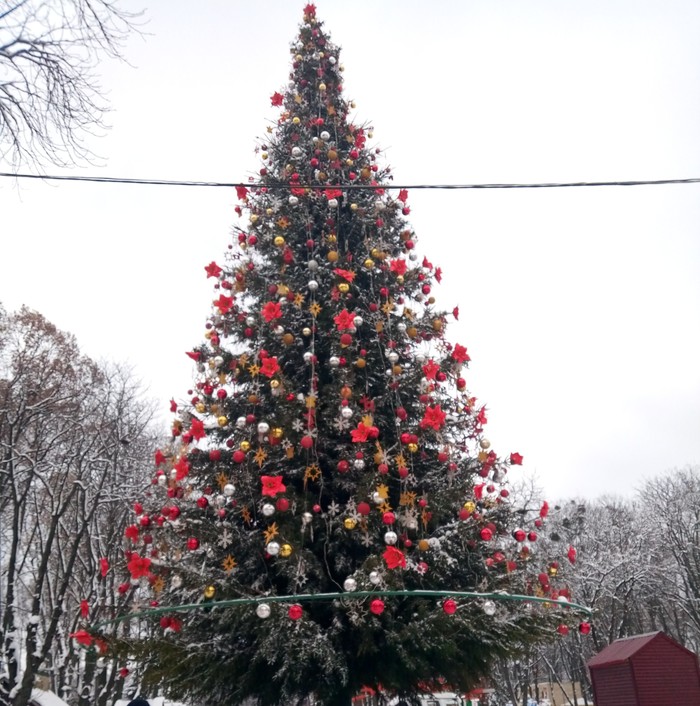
(347, 187)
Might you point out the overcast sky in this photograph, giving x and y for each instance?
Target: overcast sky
(580, 307)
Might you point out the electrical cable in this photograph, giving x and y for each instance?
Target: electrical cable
(349, 187)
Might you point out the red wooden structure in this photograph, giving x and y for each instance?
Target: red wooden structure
(645, 670)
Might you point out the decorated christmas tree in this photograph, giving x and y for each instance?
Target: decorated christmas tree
(329, 500)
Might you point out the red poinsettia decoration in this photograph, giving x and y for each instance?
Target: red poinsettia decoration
(212, 269)
(403, 195)
(271, 485)
(344, 320)
(159, 458)
(197, 429)
(132, 533)
(310, 10)
(430, 369)
(434, 418)
(182, 468)
(269, 366)
(272, 311)
(83, 637)
(360, 434)
(394, 558)
(398, 266)
(516, 459)
(224, 304)
(345, 274)
(276, 98)
(241, 192)
(333, 193)
(460, 354)
(138, 566)
(104, 567)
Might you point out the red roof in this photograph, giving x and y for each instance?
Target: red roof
(621, 650)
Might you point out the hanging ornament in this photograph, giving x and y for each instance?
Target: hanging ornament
(489, 607)
(273, 548)
(377, 606)
(295, 611)
(210, 592)
(350, 584)
(449, 606)
(263, 610)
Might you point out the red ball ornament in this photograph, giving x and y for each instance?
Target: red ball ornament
(486, 534)
(307, 442)
(253, 240)
(449, 606)
(363, 508)
(464, 514)
(316, 508)
(584, 628)
(377, 606)
(192, 543)
(138, 508)
(403, 472)
(202, 502)
(405, 438)
(401, 414)
(215, 455)
(145, 521)
(282, 504)
(345, 339)
(563, 629)
(383, 468)
(532, 536)
(343, 466)
(238, 456)
(389, 518)
(295, 611)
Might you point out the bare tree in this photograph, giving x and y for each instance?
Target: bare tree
(50, 95)
(73, 449)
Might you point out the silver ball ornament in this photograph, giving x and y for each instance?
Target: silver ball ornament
(263, 610)
(350, 584)
(391, 537)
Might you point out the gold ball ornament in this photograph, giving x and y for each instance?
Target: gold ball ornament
(365, 172)
(353, 207)
(222, 421)
(245, 446)
(278, 241)
(469, 506)
(322, 176)
(210, 591)
(277, 433)
(253, 399)
(200, 408)
(288, 339)
(254, 218)
(397, 370)
(332, 238)
(306, 331)
(400, 279)
(332, 256)
(332, 154)
(437, 324)
(322, 87)
(268, 211)
(484, 443)
(553, 571)
(349, 523)
(286, 550)
(369, 263)
(360, 363)
(296, 120)
(344, 287)
(413, 448)
(412, 331)
(423, 545)
(349, 163)
(274, 384)
(264, 156)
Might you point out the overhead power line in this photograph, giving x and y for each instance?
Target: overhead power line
(348, 187)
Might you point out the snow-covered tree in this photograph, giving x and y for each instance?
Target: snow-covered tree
(72, 437)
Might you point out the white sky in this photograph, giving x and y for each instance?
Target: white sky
(580, 307)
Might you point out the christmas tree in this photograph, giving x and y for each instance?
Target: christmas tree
(330, 447)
